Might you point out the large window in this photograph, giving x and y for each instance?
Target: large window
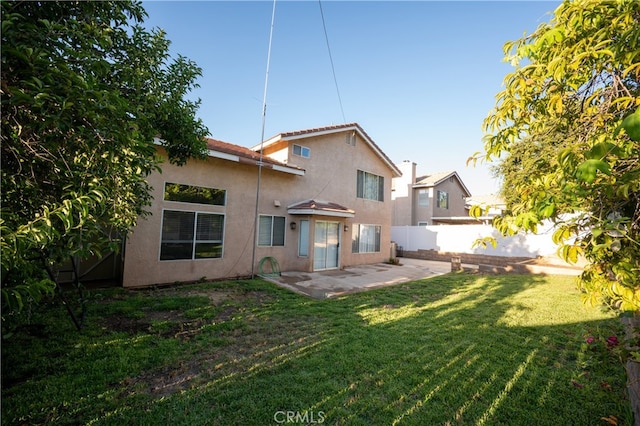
(423, 197)
(271, 231)
(443, 200)
(191, 235)
(194, 194)
(365, 238)
(370, 186)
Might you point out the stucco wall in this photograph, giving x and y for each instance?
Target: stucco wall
(330, 176)
(456, 199)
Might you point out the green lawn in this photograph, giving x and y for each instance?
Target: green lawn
(456, 349)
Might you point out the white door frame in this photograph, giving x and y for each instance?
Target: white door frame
(328, 247)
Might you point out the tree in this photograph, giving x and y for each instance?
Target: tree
(568, 122)
(85, 89)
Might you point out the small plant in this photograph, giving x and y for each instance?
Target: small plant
(393, 261)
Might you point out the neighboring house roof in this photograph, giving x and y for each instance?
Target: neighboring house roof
(486, 199)
(434, 179)
(320, 207)
(319, 131)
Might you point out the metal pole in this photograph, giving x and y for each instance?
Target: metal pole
(264, 119)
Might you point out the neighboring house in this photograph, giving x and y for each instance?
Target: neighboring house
(434, 199)
(324, 203)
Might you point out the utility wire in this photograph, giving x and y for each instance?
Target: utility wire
(335, 80)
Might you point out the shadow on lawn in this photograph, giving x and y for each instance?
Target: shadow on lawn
(458, 349)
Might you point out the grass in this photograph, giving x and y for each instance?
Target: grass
(457, 349)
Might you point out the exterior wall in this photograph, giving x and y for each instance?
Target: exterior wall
(422, 213)
(142, 252)
(331, 173)
(456, 199)
(402, 195)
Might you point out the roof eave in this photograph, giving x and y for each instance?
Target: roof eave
(334, 213)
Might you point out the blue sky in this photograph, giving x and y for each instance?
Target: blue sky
(418, 76)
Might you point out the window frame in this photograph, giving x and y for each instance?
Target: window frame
(423, 201)
(272, 231)
(303, 149)
(350, 138)
(164, 194)
(194, 235)
(440, 198)
(364, 186)
(356, 238)
(304, 238)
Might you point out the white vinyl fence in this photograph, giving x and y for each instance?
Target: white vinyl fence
(460, 238)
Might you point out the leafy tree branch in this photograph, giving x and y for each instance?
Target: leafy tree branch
(565, 134)
(85, 89)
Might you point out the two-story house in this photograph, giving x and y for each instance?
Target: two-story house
(323, 200)
(433, 199)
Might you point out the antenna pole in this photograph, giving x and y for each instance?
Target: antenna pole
(264, 119)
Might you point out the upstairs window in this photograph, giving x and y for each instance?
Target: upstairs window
(194, 194)
(351, 139)
(301, 151)
(423, 197)
(370, 186)
(443, 200)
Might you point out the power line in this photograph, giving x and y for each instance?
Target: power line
(333, 70)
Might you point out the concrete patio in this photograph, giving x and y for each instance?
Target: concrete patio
(332, 283)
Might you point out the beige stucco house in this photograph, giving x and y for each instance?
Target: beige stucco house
(433, 199)
(324, 202)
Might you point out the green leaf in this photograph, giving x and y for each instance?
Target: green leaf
(587, 171)
(631, 126)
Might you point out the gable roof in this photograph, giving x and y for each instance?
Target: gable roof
(327, 130)
(434, 179)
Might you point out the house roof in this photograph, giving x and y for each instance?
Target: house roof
(486, 199)
(324, 208)
(319, 131)
(240, 154)
(434, 179)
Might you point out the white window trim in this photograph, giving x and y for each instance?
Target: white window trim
(302, 151)
(428, 198)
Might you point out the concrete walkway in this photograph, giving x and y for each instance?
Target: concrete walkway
(332, 283)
